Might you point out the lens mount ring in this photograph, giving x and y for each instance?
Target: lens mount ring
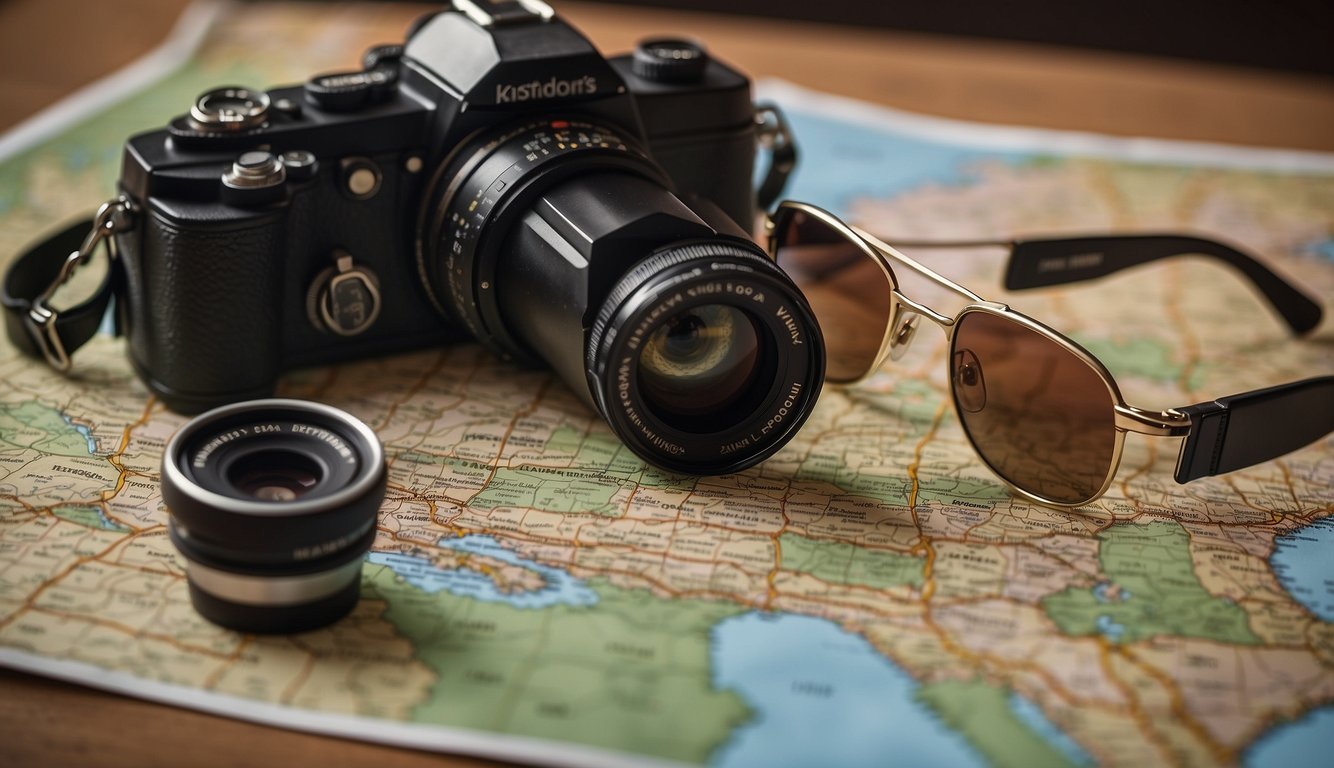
(480, 189)
(677, 279)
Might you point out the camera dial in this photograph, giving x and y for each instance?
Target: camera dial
(670, 60)
(231, 108)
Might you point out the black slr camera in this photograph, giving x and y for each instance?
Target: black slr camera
(494, 178)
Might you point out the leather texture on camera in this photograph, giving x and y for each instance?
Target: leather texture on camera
(203, 306)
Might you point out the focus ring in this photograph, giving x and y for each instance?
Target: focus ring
(506, 170)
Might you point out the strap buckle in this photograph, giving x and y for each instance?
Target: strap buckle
(114, 216)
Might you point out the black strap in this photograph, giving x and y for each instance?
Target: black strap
(1246, 429)
(776, 136)
(32, 273)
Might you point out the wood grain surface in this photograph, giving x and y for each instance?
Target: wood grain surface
(48, 48)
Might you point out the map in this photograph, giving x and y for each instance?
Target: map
(870, 595)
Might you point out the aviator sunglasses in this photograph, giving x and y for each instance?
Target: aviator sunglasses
(1042, 413)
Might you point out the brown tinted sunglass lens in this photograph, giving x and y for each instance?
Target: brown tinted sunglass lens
(1034, 410)
(846, 287)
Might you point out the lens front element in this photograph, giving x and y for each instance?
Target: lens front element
(701, 362)
(275, 475)
(1036, 411)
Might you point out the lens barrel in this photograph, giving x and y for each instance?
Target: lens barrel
(560, 242)
(273, 505)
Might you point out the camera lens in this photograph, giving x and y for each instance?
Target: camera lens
(705, 358)
(273, 505)
(559, 242)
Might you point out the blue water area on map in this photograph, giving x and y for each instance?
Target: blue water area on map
(1296, 744)
(1110, 629)
(1032, 716)
(1324, 249)
(561, 588)
(82, 430)
(1302, 563)
(823, 696)
(842, 162)
(1100, 593)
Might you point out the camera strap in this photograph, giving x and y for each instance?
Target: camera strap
(774, 135)
(35, 327)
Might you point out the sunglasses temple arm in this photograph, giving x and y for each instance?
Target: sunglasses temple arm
(1253, 427)
(1057, 261)
(892, 253)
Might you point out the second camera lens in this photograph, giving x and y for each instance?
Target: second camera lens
(273, 505)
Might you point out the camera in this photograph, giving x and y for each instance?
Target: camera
(493, 178)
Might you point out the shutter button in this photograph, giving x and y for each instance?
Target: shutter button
(345, 298)
(256, 178)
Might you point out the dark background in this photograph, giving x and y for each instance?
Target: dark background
(1280, 34)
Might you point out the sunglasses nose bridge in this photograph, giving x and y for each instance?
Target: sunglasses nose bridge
(902, 334)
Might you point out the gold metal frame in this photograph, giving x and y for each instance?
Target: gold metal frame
(898, 334)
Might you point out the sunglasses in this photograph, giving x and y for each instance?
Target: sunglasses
(1041, 412)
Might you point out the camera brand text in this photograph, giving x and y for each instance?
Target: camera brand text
(555, 88)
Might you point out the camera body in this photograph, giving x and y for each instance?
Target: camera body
(329, 221)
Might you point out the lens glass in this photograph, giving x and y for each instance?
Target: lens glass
(1036, 412)
(699, 367)
(275, 475)
(847, 288)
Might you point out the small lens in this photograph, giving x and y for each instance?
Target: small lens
(846, 287)
(700, 362)
(1036, 412)
(273, 505)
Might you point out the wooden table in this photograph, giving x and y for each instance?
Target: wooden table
(48, 48)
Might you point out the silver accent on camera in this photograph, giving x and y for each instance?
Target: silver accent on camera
(485, 14)
(361, 177)
(272, 590)
(345, 298)
(231, 108)
(298, 159)
(255, 169)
